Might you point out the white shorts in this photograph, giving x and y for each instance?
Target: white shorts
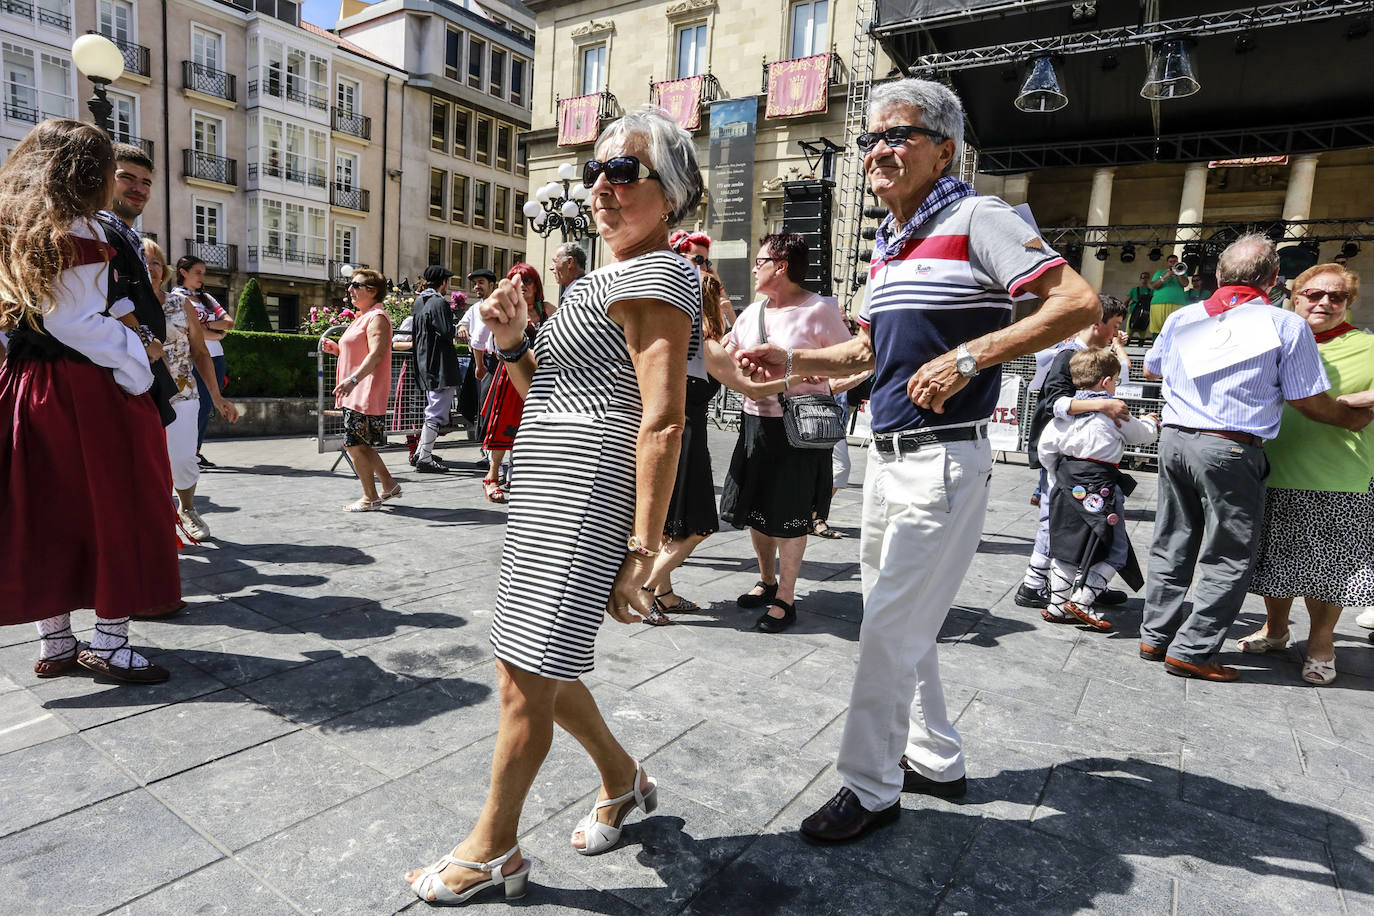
(181, 444)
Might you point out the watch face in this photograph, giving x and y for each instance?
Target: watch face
(966, 365)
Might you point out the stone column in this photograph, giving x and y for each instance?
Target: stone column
(1099, 214)
(1190, 205)
(1297, 203)
(1016, 188)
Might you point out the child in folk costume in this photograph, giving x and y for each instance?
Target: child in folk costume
(1088, 541)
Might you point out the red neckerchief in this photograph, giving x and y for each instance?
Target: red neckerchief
(1228, 297)
(1337, 331)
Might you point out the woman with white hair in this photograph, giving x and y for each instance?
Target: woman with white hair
(597, 450)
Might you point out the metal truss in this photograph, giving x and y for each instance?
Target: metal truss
(1217, 23)
(1160, 235)
(1285, 140)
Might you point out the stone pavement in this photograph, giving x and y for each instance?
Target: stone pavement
(331, 717)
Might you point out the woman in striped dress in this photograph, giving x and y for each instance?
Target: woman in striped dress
(594, 464)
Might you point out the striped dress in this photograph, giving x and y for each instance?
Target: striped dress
(573, 486)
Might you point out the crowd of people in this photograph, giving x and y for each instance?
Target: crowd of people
(593, 424)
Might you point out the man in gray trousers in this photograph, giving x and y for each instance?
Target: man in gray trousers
(1228, 365)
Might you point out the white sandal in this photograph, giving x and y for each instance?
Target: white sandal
(363, 504)
(513, 884)
(598, 837)
(1258, 644)
(1319, 673)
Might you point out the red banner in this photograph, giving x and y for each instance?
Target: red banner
(577, 119)
(798, 87)
(682, 100)
(1253, 160)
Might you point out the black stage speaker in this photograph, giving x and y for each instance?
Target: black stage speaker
(807, 211)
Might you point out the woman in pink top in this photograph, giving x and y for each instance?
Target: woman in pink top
(364, 386)
(772, 487)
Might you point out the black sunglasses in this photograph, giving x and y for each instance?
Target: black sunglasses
(700, 260)
(896, 136)
(618, 170)
(356, 284)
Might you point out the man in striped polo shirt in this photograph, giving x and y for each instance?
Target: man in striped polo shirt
(1228, 365)
(936, 324)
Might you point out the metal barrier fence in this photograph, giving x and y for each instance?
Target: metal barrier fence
(405, 413)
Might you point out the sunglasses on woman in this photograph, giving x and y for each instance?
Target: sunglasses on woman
(1317, 295)
(356, 285)
(618, 170)
(700, 260)
(896, 136)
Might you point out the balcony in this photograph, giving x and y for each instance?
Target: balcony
(349, 197)
(137, 59)
(286, 172)
(54, 18)
(207, 167)
(835, 76)
(336, 269)
(216, 257)
(145, 145)
(297, 94)
(17, 112)
(17, 7)
(208, 81)
(355, 125)
(288, 255)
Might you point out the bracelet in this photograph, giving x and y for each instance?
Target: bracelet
(510, 356)
(145, 334)
(787, 372)
(353, 379)
(636, 546)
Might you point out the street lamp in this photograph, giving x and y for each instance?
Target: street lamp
(101, 61)
(562, 207)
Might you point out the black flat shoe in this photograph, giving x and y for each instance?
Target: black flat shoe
(770, 624)
(917, 784)
(750, 601)
(1111, 597)
(843, 819)
(1029, 597)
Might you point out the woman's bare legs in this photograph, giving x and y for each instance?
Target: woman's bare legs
(673, 555)
(368, 464)
(769, 550)
(577, 714)
(1276, 617)
(1321, 637)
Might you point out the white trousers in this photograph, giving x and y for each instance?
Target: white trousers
(923, 515)
(181, 444)
(438, 405)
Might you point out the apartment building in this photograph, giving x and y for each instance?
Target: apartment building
(463, 175)
(38, 79)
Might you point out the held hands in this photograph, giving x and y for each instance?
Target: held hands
(628, 602)
(764, 363)
(329, 347)
(154, 350)
(505, 315)
(935, 383)
(1358, 399)
(1360, 418)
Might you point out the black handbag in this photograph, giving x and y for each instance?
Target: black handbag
(811, 420)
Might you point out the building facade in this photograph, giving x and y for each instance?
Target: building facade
(38, 80)
(463, 175)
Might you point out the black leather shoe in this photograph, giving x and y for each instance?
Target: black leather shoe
(429, 466)
(1111, 596)
(843, 819)
(1029, 597)
(770, 624)
(750, 601)
(917, 784)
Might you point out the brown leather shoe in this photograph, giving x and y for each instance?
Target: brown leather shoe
(1208, 672)
(144, 674)
(1151, 654)
(843, 819)
(56, 667)
(1097, 623)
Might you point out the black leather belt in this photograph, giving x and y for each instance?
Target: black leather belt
(1243, 438)
(913, 439)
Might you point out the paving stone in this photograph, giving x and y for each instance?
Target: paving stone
(48, 780)
(327, 689)
(24, 722)
(86, 700)
(725, 644)
(223, 888)
(203, 623)
(253, 656)
(36, 865)
(252, 794)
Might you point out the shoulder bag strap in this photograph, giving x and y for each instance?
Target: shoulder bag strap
(763, 339)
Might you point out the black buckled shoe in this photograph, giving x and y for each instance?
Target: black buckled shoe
(918, 784)
(843, 819)
(1029, 597)
(750, 601)
(770, 624)
(1111, 596)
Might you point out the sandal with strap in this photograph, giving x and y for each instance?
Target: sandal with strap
(598, 837)
(683, 606)
(431, 888)
(492, 490)
(823, 530)
(394, 492)
(1319, 673)
(64, 663)
(1258, 644)
(363, 504)
(1092, 620)
(656, 615)
(102, 662)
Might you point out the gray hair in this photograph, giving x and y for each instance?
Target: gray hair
(940, 108)
(1251, 260)
(574, 251)
(671, 151)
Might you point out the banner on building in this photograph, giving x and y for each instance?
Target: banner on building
(731, 189)
(682, 100)
(1004, 429)
(798, 87)
(1247, 161)
(578, 119)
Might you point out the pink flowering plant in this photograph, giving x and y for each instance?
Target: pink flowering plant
(397, 304)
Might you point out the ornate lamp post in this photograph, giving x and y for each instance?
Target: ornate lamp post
(101, 61)
(562, 207)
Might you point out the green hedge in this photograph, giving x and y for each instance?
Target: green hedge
(269, 365)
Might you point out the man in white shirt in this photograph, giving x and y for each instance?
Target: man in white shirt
(474, 333)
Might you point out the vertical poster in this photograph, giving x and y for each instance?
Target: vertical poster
(730, 216)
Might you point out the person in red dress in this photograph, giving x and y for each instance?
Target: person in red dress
(85, 521)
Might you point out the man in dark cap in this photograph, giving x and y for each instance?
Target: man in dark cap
(436, 362)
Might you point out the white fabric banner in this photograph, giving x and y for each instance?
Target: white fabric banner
(1004, 429)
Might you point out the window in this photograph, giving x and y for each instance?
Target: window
(273, 72)
(436, 250)
(207, 222)
(346, 97)
(518, 257)
(462, 129)
(453, 53)
(115, 19)
(809, 32)
(438, 186)
(593, 69)
(457, 254)
(479, 256)
(271, 228)
(497, 82)
(504, 134)
(501, 209)
(459, 213)
(207, 135)
(481, 203)
(691, 50)
(438, 125)
(498, 261)
(477, 55)
(124, 114)
(317, 87)
(517, 80)
(518, 217)
(345, 244)
(319, 167)
(345, 171)
(205, 48)
(522, 158)
(21, 84)
(272, 156)
(483, 141)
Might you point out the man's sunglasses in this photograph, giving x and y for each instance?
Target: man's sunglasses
(896, 136)
(618, 170)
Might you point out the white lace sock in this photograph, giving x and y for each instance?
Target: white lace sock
(111, 643)
(1094, 584)
(1037, 572)
(57, 639)
(1061, 584)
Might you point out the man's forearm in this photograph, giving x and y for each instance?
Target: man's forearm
(1324, 409)
(849, 358)
(1068, 309)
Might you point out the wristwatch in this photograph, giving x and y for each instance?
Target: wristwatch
(635, 545)
(964, 362)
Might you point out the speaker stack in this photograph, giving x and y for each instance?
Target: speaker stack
(807, 210)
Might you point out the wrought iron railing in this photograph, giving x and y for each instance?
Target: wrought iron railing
(141, 143)
(355, 125)
(16, 112)
(336, 269)
(54, 18)
(17, 7)
(198, 77)
(352, 197)
(208, 167)
(836, 70)
(218, 257)
(137, 59)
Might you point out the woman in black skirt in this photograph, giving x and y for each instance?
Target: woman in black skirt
(773, 488)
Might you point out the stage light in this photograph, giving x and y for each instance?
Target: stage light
(1041, 92)
(1155, 253)
(1102, 254)
(1127, 253)
(1171, 74)
(1349, 250)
